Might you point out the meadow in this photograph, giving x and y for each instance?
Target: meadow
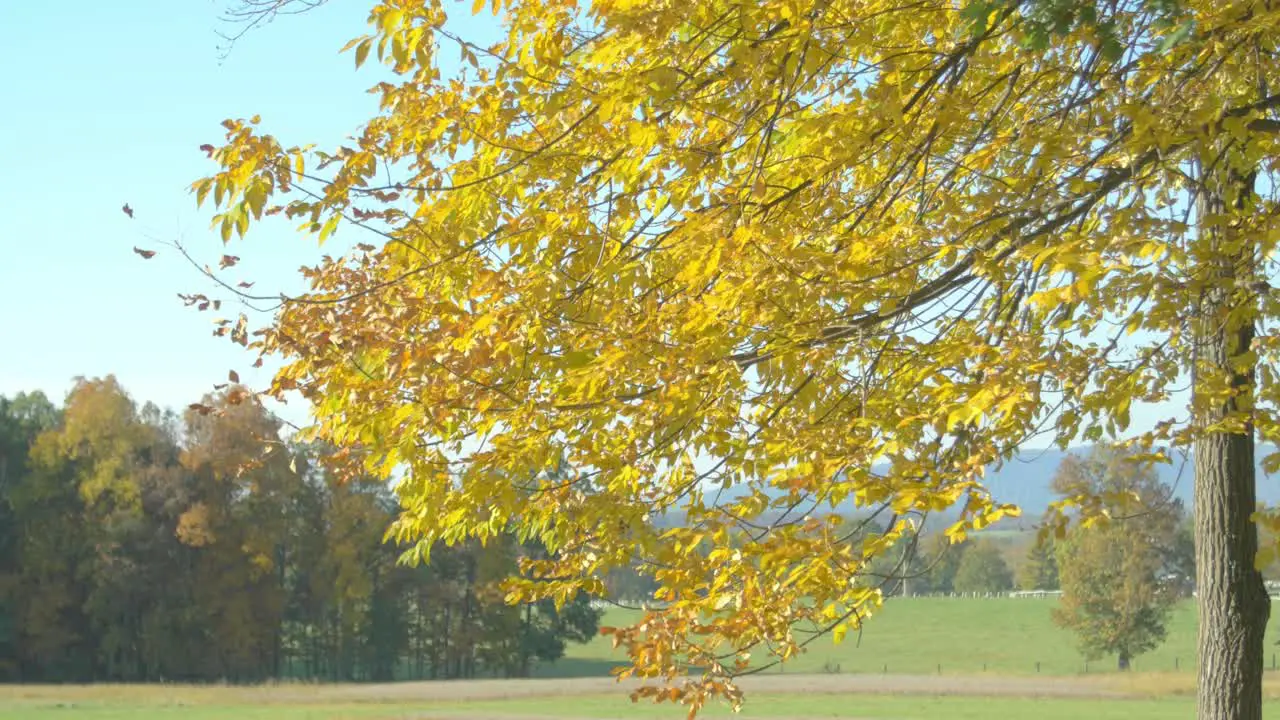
(892, 672)
(956, 635)
(1139, 697)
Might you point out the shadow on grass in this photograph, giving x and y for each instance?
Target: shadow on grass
(576, 668)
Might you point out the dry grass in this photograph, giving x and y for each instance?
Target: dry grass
(488, 690)
(1170, 684)
(770, 697)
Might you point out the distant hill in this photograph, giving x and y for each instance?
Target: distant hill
(1025, 481)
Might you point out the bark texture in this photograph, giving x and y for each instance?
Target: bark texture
(1230, 595)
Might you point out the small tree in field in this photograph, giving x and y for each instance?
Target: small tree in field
(983, 570)
(1113, 595)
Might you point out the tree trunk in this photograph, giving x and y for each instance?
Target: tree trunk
(446, 639)
(1124, 662)
(525, 649)
(1230, 595)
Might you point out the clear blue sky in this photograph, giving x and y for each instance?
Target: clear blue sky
(107, 103)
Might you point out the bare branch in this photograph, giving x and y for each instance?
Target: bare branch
(246, 15)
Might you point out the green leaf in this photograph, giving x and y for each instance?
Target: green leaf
(1181, 33)
(976, 14)
(578, 358)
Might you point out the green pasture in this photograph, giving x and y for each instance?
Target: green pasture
(959, 635)
(982, 639)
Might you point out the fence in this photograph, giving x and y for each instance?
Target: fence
(1135, 665)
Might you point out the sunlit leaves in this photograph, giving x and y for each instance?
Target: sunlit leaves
(740, 266)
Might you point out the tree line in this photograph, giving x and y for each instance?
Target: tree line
(138, 544)
(986, 564)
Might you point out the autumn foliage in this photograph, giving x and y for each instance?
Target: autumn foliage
(758, 264)
(1120, 578)
(138, 545)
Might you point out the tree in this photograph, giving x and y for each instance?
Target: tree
(23, 418)
(1181, 559)
(943, 562)
(238, 519)
(1115, 592)
(1112, 597)
(900, 570)
(983, 570)
(694, 246)
(81, 510)
(1040, 569)
(142, 546)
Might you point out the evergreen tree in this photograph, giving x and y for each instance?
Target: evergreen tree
(1039, 571)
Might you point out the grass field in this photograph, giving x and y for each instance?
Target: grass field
(962, 635)
(900, 698)
(779, 707)
(892, 674)
(811, 696)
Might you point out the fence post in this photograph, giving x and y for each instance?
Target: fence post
(1037, 666)
(1175, 663)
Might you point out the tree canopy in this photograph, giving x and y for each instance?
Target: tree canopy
(1116, 586)
(1039, 570)
(741, 259)
(982, 569)
(137, 545)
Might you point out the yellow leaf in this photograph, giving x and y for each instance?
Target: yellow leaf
(1265, 557)
(362, 50)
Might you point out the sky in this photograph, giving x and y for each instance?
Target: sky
(107, 104)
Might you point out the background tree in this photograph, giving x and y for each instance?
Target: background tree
(79, 507)
(22, 419)
(1180, 562)
(1116, 595)
(1040, 569)
(145, 546)
(983, 569)
(942, 558)
(698, 247)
